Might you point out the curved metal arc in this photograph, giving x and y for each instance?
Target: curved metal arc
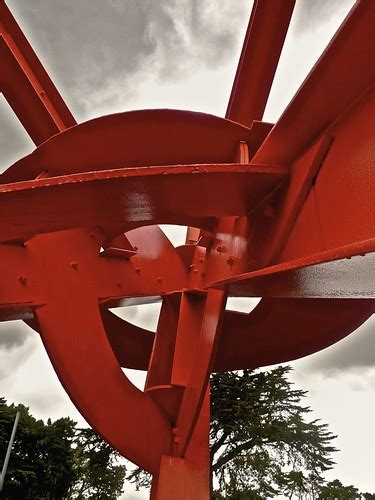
(131, 344)
(281, 330)
(75, 339)
(172, 137)
(87, 368)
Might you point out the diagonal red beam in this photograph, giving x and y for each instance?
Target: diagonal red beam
(260, 55)
(326, 274)
(344, 72)
(27, 86)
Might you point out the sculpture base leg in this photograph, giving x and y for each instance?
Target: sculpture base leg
(187, 478)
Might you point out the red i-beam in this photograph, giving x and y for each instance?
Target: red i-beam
(283, 212)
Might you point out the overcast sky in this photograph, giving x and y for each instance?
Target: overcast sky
(107, 56)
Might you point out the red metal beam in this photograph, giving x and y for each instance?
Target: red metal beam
(27, 86)
(260, 55)
(326, 274)
(132, 197)
(202, 323)
(343, 73)
(189, 477)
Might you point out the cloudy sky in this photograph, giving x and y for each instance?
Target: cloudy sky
(108, 56)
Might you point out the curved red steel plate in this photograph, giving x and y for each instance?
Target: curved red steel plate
(134, 139)
(280, 330)
(131, 344)
(72, 331)
(276, 331)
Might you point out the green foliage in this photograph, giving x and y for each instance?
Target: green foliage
(260, 439)
(335, 489)
(246, 494)
(98, 475)
(56, 460)
(140, 478)
(41, 463)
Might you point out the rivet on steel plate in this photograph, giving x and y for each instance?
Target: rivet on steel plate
(269, 212)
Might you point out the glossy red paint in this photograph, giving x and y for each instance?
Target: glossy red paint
(27, 86)
(260, 55)
(284, 212)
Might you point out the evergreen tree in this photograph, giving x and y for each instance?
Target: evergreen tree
(335, 489)
(260, 438)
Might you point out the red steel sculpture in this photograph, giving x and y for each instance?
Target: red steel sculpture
(284, 212)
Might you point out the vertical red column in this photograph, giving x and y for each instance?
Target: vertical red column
(187, 478)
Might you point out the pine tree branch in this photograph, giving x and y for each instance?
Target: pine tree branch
(219, 443)
(234, 452)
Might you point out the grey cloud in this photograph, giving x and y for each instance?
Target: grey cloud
(12, 335)
(131, 496)
(98, 52)
(17, 343)
(14, 142)
(309, 14)
(355, 353)
(43, 402)
(88, 45)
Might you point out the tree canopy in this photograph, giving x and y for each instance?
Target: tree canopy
(261, 441)
(262, 445)
(41, 463)
(56, 459)
(335, 489)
